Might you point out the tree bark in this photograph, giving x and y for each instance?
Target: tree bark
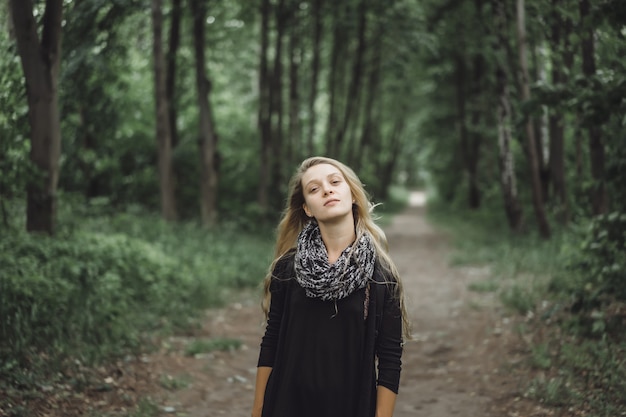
(41, 62)
(277, 107)
(208, 138)
(336, 76)
(558, 32)
(265, 104)
(352, 101)
(370, 120)
(531, 146)
(596, 146)
(315, 71)
(174, 42)
(163, 128)
(295, 143)
(475, 136)
(508, 180)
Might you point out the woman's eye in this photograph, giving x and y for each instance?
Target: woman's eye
(312, 190)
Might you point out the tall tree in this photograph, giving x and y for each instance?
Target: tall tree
(40, 60)
(352, 100)
(315, 71)
(170, 77)
(265, 112)
(596, 145)
(208, 135)
(162, 121)
(508, 179)
(295, 144)
(531, 146)
(560, 29)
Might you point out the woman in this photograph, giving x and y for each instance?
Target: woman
(334, 304)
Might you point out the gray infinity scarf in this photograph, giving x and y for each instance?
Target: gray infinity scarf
(326, 281)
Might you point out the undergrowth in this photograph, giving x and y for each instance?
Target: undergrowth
(578, 353)
(108, 284)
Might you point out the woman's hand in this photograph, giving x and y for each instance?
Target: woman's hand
(262, 375)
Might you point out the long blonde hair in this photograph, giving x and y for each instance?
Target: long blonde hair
(294, 219)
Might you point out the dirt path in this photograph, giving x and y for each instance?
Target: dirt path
(453, 367)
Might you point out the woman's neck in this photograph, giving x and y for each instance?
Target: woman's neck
(337, 237)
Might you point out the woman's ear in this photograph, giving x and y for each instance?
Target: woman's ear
(306, 210)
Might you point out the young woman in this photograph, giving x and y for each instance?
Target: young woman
(334, 305)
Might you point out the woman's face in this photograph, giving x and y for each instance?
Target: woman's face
(327, 195)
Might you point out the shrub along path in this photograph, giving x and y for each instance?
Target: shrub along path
(464, 359)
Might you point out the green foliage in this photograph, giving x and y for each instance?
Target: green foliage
(105, 284)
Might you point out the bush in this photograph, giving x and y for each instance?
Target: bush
(91, 290)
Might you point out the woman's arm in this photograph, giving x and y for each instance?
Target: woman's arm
(385, 402)
(262, 375)
(389, 352)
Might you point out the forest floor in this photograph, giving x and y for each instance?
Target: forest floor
(465, 359)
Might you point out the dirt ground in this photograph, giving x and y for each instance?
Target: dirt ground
(462, 362)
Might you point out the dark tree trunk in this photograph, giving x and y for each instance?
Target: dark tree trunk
(596, 145)
(370, 121)
(315, 72)
(508, 180)
(531, 147)
(295, 144)
(277, 108)
(208, 135)
(338, 60)
(352, 101)
(174, 42)
(475, 138)
(388, 166)
(40, 62)
(265, 104)
(163, 128)
(558, 32)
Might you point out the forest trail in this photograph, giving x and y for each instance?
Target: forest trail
(457, 364)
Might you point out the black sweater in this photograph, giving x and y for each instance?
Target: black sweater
(381, 339)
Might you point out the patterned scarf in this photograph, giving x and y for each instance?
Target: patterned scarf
(326, 281)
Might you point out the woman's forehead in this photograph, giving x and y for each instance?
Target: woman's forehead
(319, 171)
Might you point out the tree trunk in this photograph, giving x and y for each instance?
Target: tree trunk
(508, 180)
(295, 144)
(556, 124)
(352, 101)
(277, 108)
(596, 145)
(163, 128)
(531, 147)
(315, 71)
(265, 104)
(207, 141)
(336, 74)
(475, 136)
(460, 69)
(388, 166)
(174, 41)
(40, 62)
(370, 121)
